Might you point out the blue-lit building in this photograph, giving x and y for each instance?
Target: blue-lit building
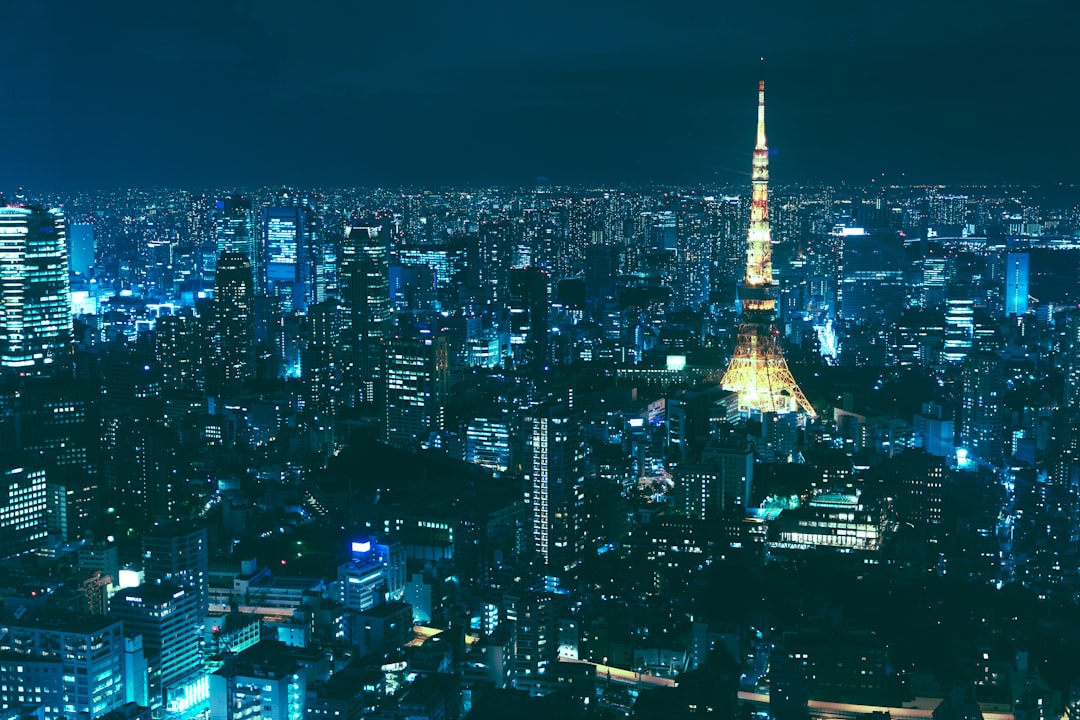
(83, 248)
(375, 574)
(1016, 284)
(287, 241)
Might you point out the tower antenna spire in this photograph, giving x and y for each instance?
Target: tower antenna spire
(758, 371)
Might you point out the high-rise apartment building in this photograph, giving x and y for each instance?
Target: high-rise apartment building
(35, 298)
(176, 349)
(319, 367)
(260, 683)
(721, 482)
(555, 485)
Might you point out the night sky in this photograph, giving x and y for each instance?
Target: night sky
(351, 92)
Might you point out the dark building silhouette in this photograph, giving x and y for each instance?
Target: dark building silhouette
(528, 305)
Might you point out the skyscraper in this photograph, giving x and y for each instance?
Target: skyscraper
(1071, 347)
(179, 553)
(1016, 284)
(235, 229)
(555, 485)
(758, 371)
(365, 293)
(287, 239)
(318, 363)
(982, 430)
(35, 298)
(528, 304)
(234, 321)
(83, 248)
(416, 372)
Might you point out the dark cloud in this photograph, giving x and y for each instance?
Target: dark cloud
(339, 91)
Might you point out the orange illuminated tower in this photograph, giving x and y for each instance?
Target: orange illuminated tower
(758, 371)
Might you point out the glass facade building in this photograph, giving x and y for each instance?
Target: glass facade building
(35, 297)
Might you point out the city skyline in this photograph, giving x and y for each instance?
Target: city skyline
(582, 422)
(257, 94)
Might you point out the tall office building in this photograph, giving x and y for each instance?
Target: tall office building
(23, 506)
(487, 443)
(528, 305)
(319, 369)
(1072, 361)
(35, 297)
(555, 485)
(56, 423)
(179, 553)
(601, 271)
(235, 230)
(721, 482)
(416, 377)
(982, 413)
(959, 330)
(286, 236)
(72, 667)
(176, 349)
(167, 618)
(1016, 284)
(83, 248)
(234, 321)
(365, 293)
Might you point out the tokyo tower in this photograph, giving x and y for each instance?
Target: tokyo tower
(758, 371)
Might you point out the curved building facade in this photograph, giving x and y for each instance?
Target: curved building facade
(35, 297)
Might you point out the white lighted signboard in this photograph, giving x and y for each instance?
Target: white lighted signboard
(130, 578)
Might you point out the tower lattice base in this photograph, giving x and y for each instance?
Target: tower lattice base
(760, 375)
